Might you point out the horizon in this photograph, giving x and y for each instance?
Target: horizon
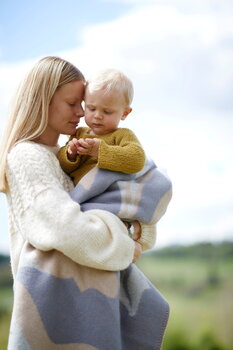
(172, 245)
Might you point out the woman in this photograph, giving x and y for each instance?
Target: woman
(58, 254)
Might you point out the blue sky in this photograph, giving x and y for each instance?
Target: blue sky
(179, 55)
(33, 28)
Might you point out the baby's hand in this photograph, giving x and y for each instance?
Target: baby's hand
(72, 149)
(89, 147)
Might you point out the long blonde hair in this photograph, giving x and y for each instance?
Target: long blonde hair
(29, 113)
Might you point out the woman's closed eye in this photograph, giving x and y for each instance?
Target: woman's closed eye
(92, 109)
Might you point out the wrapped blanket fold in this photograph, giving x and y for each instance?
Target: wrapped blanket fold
(143, 196)
(61, 305)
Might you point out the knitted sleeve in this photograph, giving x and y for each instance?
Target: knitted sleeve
(49, 219)
(148, 236)
(127, 155)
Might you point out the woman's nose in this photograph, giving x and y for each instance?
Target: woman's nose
(80, 112)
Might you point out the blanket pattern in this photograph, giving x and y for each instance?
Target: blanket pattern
(143, 196)
(61, 305)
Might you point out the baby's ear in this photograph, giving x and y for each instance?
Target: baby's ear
(126, 112)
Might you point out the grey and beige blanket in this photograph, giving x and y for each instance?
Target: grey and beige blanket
(61, 305)
(143, 196)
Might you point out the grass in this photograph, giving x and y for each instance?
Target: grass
(200, 294)
(4, 330)
(6, 297)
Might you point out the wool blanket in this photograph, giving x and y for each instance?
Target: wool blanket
(143, 196)
(61, 305)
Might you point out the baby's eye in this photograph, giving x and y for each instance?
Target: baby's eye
(71, 104)
(108, 112)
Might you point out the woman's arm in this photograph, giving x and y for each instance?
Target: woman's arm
(50, 219)
(96, 238)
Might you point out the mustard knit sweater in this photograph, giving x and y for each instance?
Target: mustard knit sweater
(119, 150)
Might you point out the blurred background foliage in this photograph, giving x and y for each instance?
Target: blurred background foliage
(197, 282)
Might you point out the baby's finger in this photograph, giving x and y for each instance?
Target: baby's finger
(90, 141)
(69, 150)
(75, 141)
(82, 150)
(83, 143)
(72, 146)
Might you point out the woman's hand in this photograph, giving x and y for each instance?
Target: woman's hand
(137, 252)
(137, 230)
(135, 236)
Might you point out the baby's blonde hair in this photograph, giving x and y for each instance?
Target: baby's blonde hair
(112, 79)
(29, 113)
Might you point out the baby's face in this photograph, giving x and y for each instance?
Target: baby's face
(104, 110)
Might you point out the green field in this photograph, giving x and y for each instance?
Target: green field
(197, 282)
(6, 295)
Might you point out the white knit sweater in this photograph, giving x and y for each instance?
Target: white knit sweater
(42, 213)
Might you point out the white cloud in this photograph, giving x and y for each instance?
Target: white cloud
(184, 58)
(10, 74)
(179, 55)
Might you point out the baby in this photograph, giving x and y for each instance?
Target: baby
(108, 98)
(111, 152)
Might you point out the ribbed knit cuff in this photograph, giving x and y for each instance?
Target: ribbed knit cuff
(148, 236)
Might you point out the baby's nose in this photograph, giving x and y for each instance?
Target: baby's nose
(98, 115)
